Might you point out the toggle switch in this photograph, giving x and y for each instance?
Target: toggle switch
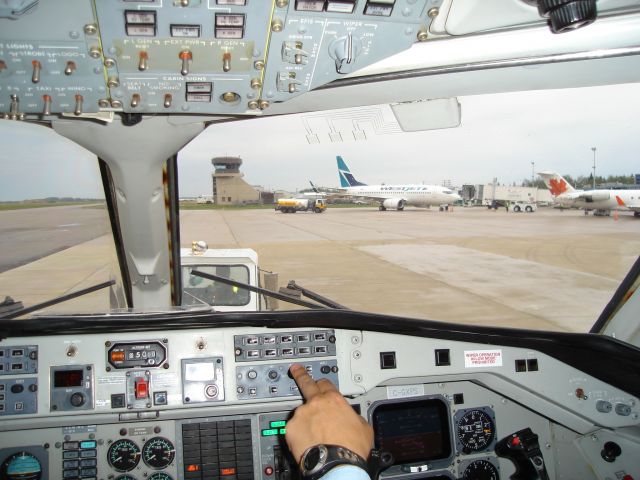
(14, 109)
(186, 57)
(35, 76)
(70, 68)
(142, 62)
(226, 62)
(78, 109)
(167, 100)
(47, 105)
(135, 100)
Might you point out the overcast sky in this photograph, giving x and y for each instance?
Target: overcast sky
(500, 136)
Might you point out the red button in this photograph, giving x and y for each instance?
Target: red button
(515, 441)
(268, 470)
(142, 388)
(627, 477)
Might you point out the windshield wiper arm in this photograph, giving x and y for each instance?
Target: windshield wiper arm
(54, 301)
(251, 288)
(292, 285)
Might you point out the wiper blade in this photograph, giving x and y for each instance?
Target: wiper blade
(54, 301)
(292, 285)
(251, 288)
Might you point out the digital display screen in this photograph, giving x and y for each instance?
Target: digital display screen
(67, 378)
(414, 431)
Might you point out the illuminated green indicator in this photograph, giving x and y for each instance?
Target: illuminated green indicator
(283, 431)
(269, 432)
(88, 444)
(279, 424)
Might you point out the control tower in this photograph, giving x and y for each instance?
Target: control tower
(228, 186)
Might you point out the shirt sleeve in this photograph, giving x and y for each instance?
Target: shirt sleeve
(346, 472)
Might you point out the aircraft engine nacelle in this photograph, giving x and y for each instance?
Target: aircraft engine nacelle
(396, 203)
(598, 196)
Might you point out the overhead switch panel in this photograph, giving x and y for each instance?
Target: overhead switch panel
(147, 56)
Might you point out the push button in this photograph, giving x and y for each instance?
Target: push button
(142, 389)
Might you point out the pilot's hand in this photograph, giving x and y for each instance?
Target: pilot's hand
(325, 418)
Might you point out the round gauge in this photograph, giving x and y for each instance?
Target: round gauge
(21, 465)
(160, 476)
(158, 453)
(125, 477)
(475, 430)
(481, 470)
(123, 455)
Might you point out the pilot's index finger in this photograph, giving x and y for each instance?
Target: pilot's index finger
(306, 384)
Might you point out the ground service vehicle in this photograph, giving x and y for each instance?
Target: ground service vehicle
(293, 205)
(240, 264)
(116, 100)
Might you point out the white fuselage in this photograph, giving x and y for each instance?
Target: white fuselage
(416, 195)
(600, 199)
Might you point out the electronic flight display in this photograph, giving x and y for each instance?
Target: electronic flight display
(414, 431)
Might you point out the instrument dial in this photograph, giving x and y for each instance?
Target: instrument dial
(125, 477)
(123, 455)
(158, 453)
(21, 465)
(481, 470)
(160, 476)
(475, 430)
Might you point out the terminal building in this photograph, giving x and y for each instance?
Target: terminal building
(229, 188)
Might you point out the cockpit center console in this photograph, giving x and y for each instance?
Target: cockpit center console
(214, 403)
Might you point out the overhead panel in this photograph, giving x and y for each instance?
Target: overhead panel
(80, 57)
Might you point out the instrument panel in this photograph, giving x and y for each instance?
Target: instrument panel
(214, 403)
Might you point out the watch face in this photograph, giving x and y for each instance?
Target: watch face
(312, 458)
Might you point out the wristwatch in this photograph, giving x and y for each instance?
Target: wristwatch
(318, 460)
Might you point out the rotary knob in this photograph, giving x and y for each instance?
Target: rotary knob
(77, 399)
(344, 51)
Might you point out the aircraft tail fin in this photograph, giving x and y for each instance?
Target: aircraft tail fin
(346, 178)
(555, 183)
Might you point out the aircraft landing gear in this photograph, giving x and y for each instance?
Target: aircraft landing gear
(382, 208)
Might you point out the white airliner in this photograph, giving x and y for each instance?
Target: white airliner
(601, 201)
(394, 196)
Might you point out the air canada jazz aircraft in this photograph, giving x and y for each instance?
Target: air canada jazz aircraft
(601, 201)
(394, 196)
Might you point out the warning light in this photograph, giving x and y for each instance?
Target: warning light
(192, 468)
(278, 424)
(117, 356)
(268, 470)
(228, 471)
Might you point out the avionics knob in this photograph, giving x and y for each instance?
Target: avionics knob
(566, 15)
(273, 375)
(344, 51)
(77, 399)
(610, 452)
(252, 374)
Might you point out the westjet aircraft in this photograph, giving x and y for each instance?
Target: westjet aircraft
(601, 201)
(394, 196)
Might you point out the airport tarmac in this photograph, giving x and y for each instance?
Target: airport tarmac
(546, 270)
